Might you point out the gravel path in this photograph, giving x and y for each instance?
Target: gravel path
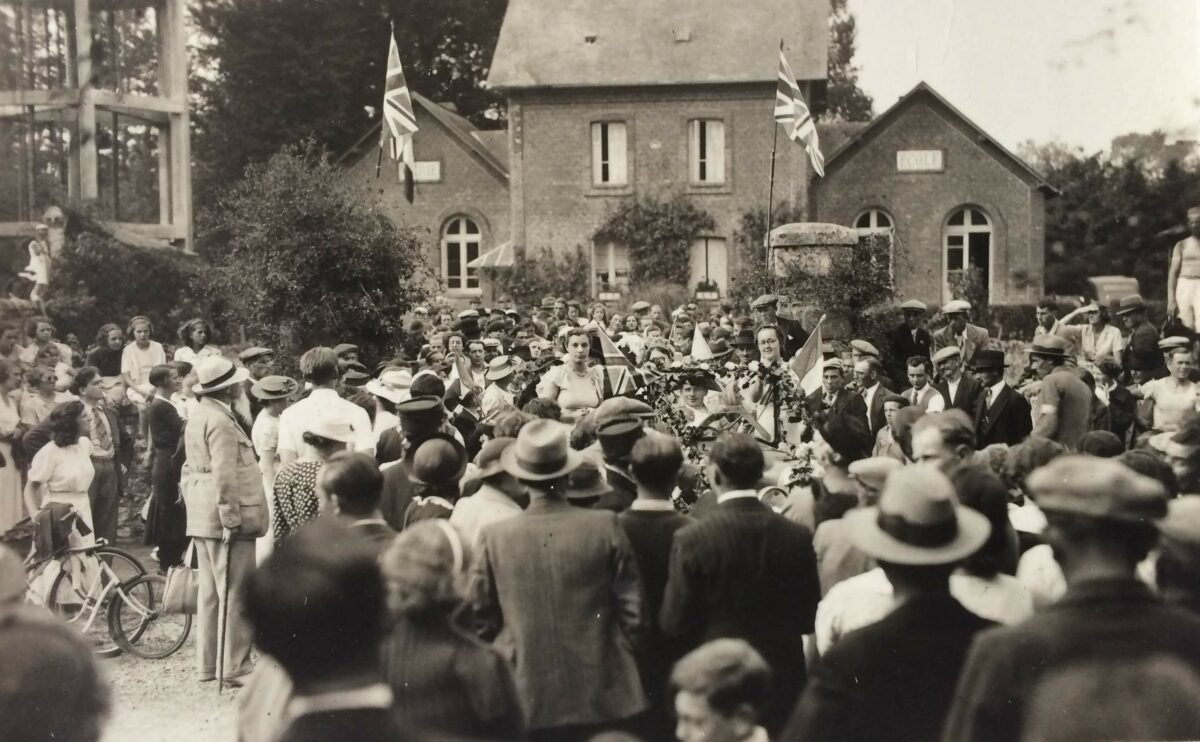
(161, 700)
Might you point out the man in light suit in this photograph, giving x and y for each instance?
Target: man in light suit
(960, 333)
(226, 511)
(1002, 415)
(557, 590)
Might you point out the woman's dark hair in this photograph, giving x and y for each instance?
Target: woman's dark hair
(83, 377)
(573, 331)
(321, 442)
(32, 323)
(983, 492)
(356, 480)
(103, 333)
(64, 423)
(159, 375)
(428, 385)
(183, 368)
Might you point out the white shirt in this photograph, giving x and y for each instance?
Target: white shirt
(869, 396)
(993, 392)
(377, 696)
(138, 363)
(652, 506)
(734, 495)
(323, 404)
(952, 387)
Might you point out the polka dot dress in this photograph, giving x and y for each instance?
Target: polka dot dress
(295, 497)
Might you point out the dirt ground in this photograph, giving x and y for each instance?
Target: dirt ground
(161, 700)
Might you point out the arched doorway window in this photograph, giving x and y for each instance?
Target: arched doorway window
(874, 219)
(967, 243)
(461, 243)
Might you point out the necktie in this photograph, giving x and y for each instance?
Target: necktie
(100, 434)
(829, 400)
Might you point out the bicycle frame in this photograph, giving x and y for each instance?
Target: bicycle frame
(92, 601)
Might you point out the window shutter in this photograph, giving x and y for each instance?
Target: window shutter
(617, 173)
(715, 140)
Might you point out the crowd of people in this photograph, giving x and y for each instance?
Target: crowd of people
(563, 523)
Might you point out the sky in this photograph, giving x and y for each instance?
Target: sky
(1076, 71)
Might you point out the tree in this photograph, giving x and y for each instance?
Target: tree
(274, 72)
(299, 259)
(844, 99)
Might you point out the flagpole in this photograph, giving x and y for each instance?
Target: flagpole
(771, 190)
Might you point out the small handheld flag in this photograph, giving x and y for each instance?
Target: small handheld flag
(700, 349)
(807, 363)
(793, 113)
(399, 119)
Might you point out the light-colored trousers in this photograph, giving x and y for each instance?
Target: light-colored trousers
(1187, 300)
(235, 559)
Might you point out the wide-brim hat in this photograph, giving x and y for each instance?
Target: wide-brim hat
(1131, 303)
(500, 367)
(719, 348)
(437, 460)
(487, 461)
(918, 521)
(586, 482)
(274, 387)
(1049, 346)
(217, 372)
(700, 377)
(334, 428)
(542, 452)
(988, 359)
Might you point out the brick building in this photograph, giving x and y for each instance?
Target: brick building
(462, 198)
(951, 194)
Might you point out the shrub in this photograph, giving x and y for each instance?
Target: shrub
(546, 273)
(659, 233)
(99, 279)
(301, 260)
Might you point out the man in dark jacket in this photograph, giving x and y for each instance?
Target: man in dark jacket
(744, 571)
(792, 333)
(908, 340)
(1100, 522)
(617, 438)
(1142, 346)
(894, 679)
(651, 523)
(833, 396)
(1002, 415)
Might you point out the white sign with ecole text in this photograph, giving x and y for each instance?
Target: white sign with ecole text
(919, 161)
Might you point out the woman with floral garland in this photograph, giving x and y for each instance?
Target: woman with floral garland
(772, 388)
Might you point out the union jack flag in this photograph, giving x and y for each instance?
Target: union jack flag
(401, 122)
(793, 113)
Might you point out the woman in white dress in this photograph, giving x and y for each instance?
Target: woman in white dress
(10, 477)
(62, 471)
(139, 358)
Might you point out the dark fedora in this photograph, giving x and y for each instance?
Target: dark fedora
(744, 339)
(988, 360)
(1131, 303)
(420, 416)
(719, 348)
(585, 483)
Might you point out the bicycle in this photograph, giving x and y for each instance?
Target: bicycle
(106, 583)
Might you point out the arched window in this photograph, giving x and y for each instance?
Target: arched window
(967, 243)
(461, 243)
(874, 219)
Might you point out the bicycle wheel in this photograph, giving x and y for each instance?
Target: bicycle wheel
(137, 623)
(73, 599)
(125, 565)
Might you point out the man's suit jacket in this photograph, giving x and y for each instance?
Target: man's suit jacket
(1009, 420)
(1143, 346)
(1117, 620)
(744, 571)
(624, 491)
(794, 336)
(221, 485)
(845, 402)
(360, 725)
(976, 339)
(902, 346)
(968, 391)
(557, 590)
(874, 417)
(891, 680)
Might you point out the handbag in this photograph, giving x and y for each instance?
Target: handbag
(181, 593)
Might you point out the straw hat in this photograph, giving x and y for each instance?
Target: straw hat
(542, 452)
(918, 521)
(334, 428)
(391, 385)
(217, 372)
(500, 367)
(274, 387)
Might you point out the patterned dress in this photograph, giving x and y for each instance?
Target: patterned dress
(295, 497)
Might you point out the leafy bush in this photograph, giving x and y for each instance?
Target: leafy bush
(548, 273)
(99, 279)
(659, 233)
(300, 260)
